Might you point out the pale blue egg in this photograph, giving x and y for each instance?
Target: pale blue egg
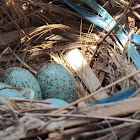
(7, 91)
(57, 82)
(57, 102)
(21, 78)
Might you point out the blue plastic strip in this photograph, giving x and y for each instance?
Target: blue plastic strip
(99, 21)
(108, 18)
(88, 15)
(134, 37)
(116, 97)
(100, 10)
(118, 32)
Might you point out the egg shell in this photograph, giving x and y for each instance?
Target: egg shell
(57, 102)
(8, 92)
(57, 82)
(21, 78)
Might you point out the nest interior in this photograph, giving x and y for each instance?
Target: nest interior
(33, 33)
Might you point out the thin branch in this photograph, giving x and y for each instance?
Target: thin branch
(118, 22)
(96, 92)
(89, 117)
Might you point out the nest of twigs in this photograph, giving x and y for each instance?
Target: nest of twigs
(33, 33)
(37, 120)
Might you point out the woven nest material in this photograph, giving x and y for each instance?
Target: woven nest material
(32, 120)
(33, 33)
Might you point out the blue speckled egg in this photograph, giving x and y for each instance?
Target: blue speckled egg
(21, 78)
(57, 82)
(8, 92)
(57, 102)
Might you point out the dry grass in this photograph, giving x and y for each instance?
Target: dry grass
(33, 33)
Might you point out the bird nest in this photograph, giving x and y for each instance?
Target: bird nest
(33, 33)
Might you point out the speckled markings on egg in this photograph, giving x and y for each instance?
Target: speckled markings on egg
(21, 78)
(57, 82)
